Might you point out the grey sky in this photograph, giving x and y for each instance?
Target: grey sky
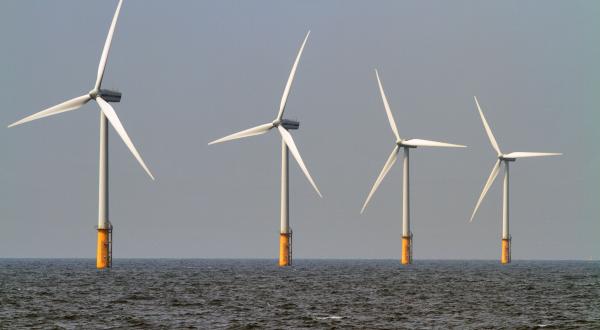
(193, 71)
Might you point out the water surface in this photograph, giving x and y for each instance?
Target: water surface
(209, 294)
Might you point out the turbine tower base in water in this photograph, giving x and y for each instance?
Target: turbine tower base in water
(406, 250)
(104, 251)
(505, 251)
(285, 249)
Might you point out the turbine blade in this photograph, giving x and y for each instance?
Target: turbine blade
(530, 154)
(386, 168)
(106, 50)
(488, 130)
(112, 117)
(287, 137)
(288, 85)
(69, 105)
(260, 129)
(428, 143)
(486, 187)
(387, 108)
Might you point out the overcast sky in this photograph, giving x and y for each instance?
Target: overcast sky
(194, 71)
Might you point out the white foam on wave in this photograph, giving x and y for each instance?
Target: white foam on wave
(330, 317)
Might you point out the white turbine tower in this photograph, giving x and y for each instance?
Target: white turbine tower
(107, 113)
(502, 159)
(406, 145)
(287, 145)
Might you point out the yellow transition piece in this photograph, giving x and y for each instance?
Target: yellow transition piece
(505, 251)
(284, 250)
(406, 252)
(102, 252)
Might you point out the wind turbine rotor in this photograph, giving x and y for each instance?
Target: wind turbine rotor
(282, 125)
(400, 143)
(501, 158)
(102, 97)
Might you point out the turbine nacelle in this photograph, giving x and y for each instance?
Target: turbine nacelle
(286, 123)
(107, 94)
(290, 124)
(506, 159)
(402, 144)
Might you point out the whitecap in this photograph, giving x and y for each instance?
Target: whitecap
(330, 317)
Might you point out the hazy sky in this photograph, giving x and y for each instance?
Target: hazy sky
(194, 71)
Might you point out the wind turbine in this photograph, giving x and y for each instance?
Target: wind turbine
(502, 159)
(107, 114)
(287, 145)
(406, 145)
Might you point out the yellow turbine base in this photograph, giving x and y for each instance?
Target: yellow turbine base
(102, 251)
(406, 252)
(284, 250)
(505, 251)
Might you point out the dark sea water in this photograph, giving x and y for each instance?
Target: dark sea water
(246, 294)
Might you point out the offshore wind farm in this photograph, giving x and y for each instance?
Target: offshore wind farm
(209, 243)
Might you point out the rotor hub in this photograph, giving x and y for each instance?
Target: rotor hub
(94, 93)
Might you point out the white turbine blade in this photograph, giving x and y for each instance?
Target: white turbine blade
(428, 143)
(386, 168)
(69, 105)
(288, 85)
(530, 154)
(111, 115)
(488, 130)
(387, 108)
(260, 129)
(106, 50)
(287, 137)
(486, 187)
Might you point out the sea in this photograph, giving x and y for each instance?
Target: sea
(311, 294)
